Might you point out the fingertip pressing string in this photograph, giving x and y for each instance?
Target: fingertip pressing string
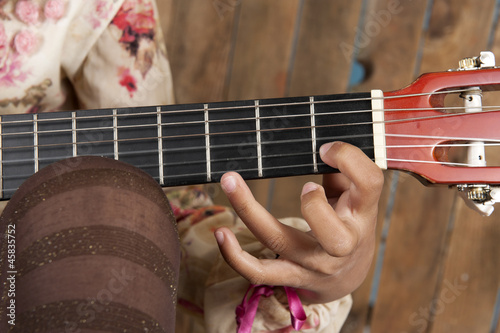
(246, 311)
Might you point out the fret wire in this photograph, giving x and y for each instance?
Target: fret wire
(115, 135)
(278, 105)
(259, 139)
(207, 144)
(160, 146)
(313, 133)
(35, 142)
(73, 134)
(493, 109)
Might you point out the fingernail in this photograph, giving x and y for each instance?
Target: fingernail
(228, 184)
(309, 187)
(219, 236)
(325, 148)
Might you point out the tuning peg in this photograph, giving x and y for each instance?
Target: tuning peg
(481, 198)
(486, 59)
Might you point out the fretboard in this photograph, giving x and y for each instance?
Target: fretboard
(192, 143)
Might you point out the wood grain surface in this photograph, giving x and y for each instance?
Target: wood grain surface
(437, 263)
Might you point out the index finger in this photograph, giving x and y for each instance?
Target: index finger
(278, 237)
(365, 176)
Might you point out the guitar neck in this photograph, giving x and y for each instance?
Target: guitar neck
(192, 143)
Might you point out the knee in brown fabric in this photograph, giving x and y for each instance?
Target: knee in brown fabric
(96, 248)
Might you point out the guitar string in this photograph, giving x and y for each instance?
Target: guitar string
(125, 154)
(198, 148)
(194, 135)
(214, 173)
(309, 153)
(229, 108)
(170, 165)
(288, 116)
(236, 132)
(154, 125)
(253, 119)
(303, 165)
(240, 132)
(295, 154)
(487, 142)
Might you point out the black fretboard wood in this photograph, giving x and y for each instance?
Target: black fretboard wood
(192, 143)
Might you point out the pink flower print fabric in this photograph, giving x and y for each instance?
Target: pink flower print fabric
(27, 11)
(11, 68)
(54, 9)
(3, 36)
(26, 42)
(100, 14)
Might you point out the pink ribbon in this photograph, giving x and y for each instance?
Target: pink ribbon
(246, 311)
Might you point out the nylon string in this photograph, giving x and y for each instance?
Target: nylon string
(488, 108)
(101, 131)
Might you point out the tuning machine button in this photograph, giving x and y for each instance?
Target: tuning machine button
(479, 194)
(486, 59)
(480, 197)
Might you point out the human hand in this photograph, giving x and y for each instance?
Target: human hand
(333, 258)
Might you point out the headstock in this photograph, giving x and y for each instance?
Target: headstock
(422, 130)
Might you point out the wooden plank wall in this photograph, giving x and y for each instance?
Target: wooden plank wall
(437, 263)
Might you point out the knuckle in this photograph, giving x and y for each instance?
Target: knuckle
(232, 261)
(373, 184)
(243, 209)
(277, 243)
(320, 261)
(307, 208)
(256, 278)
(327, 270)
(376, 180)
(312, 203)
(342, 248)
(344, 150)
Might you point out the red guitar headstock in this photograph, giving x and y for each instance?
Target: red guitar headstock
(423, 129)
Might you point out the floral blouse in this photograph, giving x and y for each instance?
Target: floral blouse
(105, 53)
(68, 54)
